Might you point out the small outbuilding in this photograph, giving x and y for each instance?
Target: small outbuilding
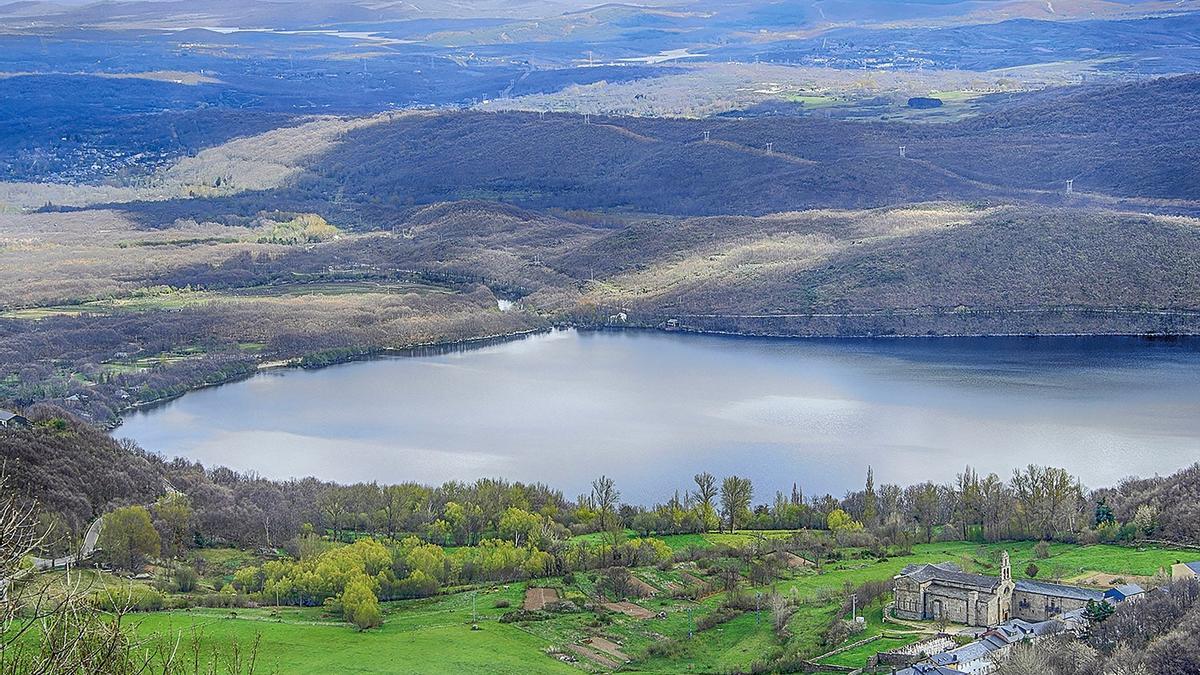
(1124, 592)
(11, 420)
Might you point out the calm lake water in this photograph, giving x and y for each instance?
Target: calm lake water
(651, 409)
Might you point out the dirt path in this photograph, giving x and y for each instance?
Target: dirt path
(537, 598)
(792, 560)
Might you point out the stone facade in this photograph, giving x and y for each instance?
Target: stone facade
(1039, 601)
(944, 591)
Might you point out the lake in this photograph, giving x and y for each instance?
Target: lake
(651, 409)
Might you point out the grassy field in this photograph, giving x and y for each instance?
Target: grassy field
(183, 299)
(433, 639)
(435, 635)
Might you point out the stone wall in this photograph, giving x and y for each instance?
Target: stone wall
(953, 609)
(1037, 607)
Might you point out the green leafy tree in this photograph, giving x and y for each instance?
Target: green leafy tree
(128, 537)
(840, 521)
(736, 493)
(359, 604)
(706, 492)
(521, 526)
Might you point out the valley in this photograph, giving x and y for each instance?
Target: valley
(826, 336)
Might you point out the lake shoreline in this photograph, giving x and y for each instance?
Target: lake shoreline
(436, 347)
(297, 363)
(631, 402)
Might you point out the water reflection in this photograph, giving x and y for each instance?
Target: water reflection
(651, 409)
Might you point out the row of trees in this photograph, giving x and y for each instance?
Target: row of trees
(78, 473)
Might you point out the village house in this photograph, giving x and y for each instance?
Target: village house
(11, 420)
(980, 656)
(1040, 601)
(927, 669)
(1125, 593)
(1188, 570)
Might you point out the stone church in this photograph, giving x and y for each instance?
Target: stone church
(945, 591)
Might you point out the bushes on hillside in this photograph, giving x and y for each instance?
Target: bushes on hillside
(133, 598)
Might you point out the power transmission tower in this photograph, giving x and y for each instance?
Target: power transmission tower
(902, 150)
(770, 148)
(587, 119)
(706, 137)
(1070, 185)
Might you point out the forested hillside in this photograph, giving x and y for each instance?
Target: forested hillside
(828, 231)
(765, 165)
(936, 257)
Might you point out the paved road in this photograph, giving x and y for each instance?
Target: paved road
(90, 537)
(86, 549)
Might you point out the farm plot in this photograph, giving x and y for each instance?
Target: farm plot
(537, 598)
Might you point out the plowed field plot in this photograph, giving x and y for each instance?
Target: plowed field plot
(537, 598)
(629, 609)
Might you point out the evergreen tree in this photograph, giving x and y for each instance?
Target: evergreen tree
(1097, 612)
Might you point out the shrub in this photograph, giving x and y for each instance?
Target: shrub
(665, 649)
(1041, 550)
(520, 615)
(1031, 570)
(416, 585)
(359, 604)
(502, 603)
(716, 618)
(185, 579)
(134, 598)
(227, 599)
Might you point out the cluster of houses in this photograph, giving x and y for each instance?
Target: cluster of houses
(1006, 613)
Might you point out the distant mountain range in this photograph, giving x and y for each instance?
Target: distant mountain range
(771, 15)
